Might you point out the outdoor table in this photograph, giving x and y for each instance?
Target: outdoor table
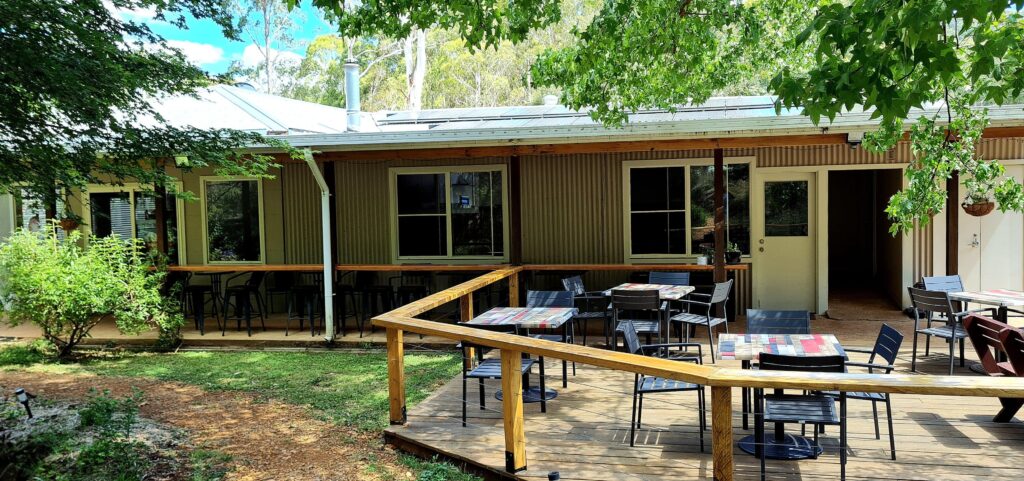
(528, 318)
(747, 348)
(666, 292)
(1001, 299)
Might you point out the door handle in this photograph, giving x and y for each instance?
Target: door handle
(975, 242)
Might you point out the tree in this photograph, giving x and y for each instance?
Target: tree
(415, 68)
(270, 26)
(76, 100)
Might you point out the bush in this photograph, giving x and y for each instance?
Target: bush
(66, 289)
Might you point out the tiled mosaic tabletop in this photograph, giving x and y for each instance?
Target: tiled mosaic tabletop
(525, 317)
(747, 347)
(665, 292)
(992, 297)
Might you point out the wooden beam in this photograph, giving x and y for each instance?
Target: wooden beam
(512, 410)
(953, 224)
(515, 225)
(720, 192)
(396, 376)
(721, 433)
(513, 290)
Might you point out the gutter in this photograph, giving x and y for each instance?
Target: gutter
(325, 226)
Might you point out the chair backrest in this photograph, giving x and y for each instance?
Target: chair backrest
(574, 285)
(669, 278)
(1012, 340)
(778, 362)
(721, 292)
(951, 283)
(985, 335)
(762, 321)
(887, 345)
(631, 337)
(630, 300)
(549, 299)
(255, 279)
(936, 302)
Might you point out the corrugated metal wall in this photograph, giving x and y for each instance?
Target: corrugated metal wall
(301, 215)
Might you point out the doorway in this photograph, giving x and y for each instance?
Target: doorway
(864, 260)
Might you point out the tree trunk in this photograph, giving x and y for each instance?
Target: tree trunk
(415, 68)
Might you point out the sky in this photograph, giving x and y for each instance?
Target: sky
(205, 45)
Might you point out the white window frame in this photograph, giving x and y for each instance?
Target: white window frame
(203, 181)
(687, 164)
(393, 174)
(132, 188)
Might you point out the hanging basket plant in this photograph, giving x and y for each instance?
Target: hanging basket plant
(979, 209)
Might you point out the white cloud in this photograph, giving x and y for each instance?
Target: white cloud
(198, 53)
(251, 56)
(135, 14)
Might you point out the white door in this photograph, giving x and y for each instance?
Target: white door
(784, 251)
(992, 247)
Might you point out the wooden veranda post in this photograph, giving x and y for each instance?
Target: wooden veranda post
(396, 376)
(513, 290)
(512, 410)
(720, 193)
(465, 315)
(721, 432)
(953, 224)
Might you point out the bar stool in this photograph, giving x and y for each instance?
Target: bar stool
(243, 296)
(377, 299)
(303, 301)
(344, 303)
(194, 298)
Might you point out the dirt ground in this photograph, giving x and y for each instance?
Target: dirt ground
(267, 440)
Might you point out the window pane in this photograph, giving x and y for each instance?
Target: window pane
(647, 189)
(737, 207)
(422, 236)
(232, 220)
(30, 212)
(476, 214)
(785, 208)
(145, 222)
(658, 233)
(420, 193)
(111, 213)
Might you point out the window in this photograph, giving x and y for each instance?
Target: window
(30, 212)
(129, 212)
(670, 207)
(450, 213)
(233, 216)
(785, 209)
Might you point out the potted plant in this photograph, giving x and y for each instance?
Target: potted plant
(732, 253)
(980, 181)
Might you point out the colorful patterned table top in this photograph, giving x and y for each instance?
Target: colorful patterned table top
(665, 291)
(525, 317)
(992, 297)
(747, 347)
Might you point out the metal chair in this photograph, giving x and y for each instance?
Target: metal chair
(195, 297)
(887, 345)
(816, 409)
(243, 295)
(282, 284)
(489, 369)
(555, 299)
(592, 306)
(955, 283)
(637, 302)
(761, 321)
(686, 320)
(305, 302)
(643, 384)
(937, 302)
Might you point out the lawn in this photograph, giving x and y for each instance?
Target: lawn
(347, 388)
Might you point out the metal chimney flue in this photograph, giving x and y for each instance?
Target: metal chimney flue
(352, 94)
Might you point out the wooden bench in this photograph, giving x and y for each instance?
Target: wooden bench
(1000, 347)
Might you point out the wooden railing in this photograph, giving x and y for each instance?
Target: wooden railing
(720, 380)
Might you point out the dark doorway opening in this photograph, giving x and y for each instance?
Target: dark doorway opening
(865, 261)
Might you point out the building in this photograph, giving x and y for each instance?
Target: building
(547, 185)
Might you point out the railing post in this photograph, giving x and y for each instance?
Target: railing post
(512, 410)
(721, 432)
(396, 376)
(465, 315)
(513, 290)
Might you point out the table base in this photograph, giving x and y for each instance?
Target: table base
(532, 395)
(977, 368)
(791, 447)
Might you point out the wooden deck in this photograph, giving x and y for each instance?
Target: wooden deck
(584, 435)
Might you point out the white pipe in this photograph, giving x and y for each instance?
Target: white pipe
(325, 225)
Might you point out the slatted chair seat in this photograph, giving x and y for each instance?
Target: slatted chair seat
(548, 337)
(795, 408)
(945, 332)
(491, 369)
(657, 384)
(698, 319)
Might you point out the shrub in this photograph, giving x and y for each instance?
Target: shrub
(66, 289)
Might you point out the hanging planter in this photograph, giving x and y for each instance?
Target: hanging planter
(979, 209)
(69, 224)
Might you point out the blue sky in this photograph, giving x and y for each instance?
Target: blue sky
(205, 45)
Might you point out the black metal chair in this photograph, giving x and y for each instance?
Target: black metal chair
(484, 369)
(952, 330)
(887, 345)
(592, 306)
(643, 384)
(195, 298)
(637, 303)
(281, 284)
(686, 320)
(243, 295)
(816, 409)
(305, 302)
(760, 321)
(555, 299)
